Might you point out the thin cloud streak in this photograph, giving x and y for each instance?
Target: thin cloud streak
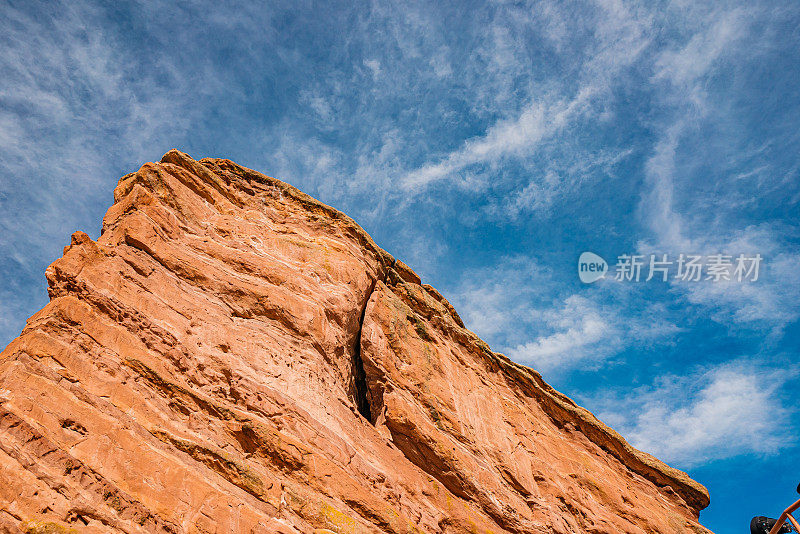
(714, 414)
(621, 40)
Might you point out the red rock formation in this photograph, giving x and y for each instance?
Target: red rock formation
(233, 356)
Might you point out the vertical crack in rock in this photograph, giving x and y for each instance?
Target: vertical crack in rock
(360, 375)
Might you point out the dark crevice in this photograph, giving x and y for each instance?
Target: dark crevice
(360, 378)
(362, 400)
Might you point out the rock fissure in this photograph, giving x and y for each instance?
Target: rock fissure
(360, 375)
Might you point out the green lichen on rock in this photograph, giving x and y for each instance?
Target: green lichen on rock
(48, 527)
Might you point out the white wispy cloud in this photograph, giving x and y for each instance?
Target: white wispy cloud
(677, 216)
(507, 137)
(620, 38)
(716, 413)
(503, 298)
(579, 329)
(523, 311)
(769, 303)
(720, 34)
(685, 70)
(555, 180)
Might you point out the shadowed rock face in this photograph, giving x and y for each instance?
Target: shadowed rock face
(233, 356)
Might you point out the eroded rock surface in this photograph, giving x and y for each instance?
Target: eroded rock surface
(233, 356)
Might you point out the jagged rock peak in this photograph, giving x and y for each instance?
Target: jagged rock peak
(233, 355)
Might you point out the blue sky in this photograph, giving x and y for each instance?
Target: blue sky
(487, 145)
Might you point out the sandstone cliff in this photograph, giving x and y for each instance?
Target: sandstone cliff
(234, 356)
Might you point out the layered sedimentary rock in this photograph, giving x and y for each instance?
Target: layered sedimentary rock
(232, 355)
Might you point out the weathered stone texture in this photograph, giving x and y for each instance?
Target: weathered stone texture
(233, 356)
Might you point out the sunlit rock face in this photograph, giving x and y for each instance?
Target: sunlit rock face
(233, 356)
